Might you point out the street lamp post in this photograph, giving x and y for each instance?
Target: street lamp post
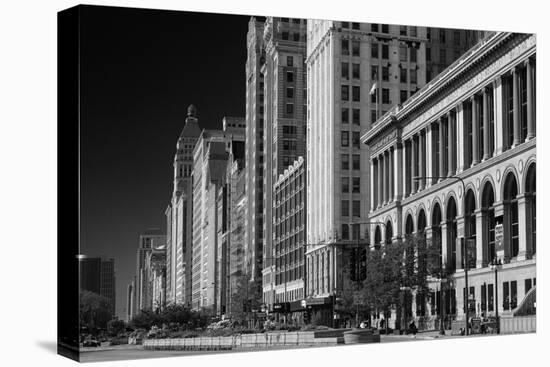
(495, 265)
(464, 252)
(442, 306)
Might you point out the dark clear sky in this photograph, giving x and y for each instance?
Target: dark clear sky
(140, 69)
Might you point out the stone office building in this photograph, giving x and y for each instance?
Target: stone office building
(356, 72)
(458, 161)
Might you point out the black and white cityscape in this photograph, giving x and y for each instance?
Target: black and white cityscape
(259, 182)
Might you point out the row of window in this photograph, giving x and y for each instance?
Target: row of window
(355, 206)
(355, 93)
(355, 185)
(355, 139)
(355, 116)
(295, 36)
(355, 159)
(442, 36)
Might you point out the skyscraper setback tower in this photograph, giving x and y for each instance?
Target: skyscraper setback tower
(285, 92)
(179, 215)
(254, 143)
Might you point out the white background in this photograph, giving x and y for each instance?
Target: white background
(28, 186)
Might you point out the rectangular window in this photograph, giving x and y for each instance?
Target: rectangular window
(345, 115)
(355, 25)
(290, 108)
(413, 76)
(403, 53)
(345, 92)
(296, 37)
(345, 162)
(355, 139)
(285, 36)
(443, 56)
(413, 31)
(345, 47)
(356, 116)
(490, 297)
(385, 28)
(402, 96)
(355, 48)
(428, 54)
(345, 185)
(356, 161)
(345, 70)
(290, 93)
(385, 95)
(289, 61)
(345, 208)
(385, 73)
(513, 294)
(527, 285)
(345, 138)
(374, 27)
(345, 24)
(385, 52)
(374, 72)
(456, 38)
(345, 232)
(355, 71)
(442, 35)
(356, 208)
(413, 53)
(356, 95)
(373, 116)
(403, 30)
(403, 75)
(290, 77)
(505, 296)
(374, 51)
(356, 184)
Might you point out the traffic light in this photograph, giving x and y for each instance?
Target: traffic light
(362, 264)
(353, 264)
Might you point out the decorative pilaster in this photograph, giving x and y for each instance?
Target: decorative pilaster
(450, 171)
(481, 260)
(441, 151)
(475, 131)
(379, 183)
(531, 126)
(522, 227)
(498, 116)
(515, 94)
(429, 155)
(460, 138)
(486, 133)
(398, 171)
(384, 178)
(421, 161)
(372, 184)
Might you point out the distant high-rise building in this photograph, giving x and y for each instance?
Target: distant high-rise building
(152, 238)
(210, 160)
(356, 73)
(179, 215)
(254, 150)
(155, 268)
(285, 110)
(130, 300)
(98, 275)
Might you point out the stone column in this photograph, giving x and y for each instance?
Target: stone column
(406, 168)
(459, 234)
(522, 227)
(480, 239)
(515, 87)
(421, 160)
(475, 131)
(498, 116)
(398, 172)
(414, 150)
(372, 184)
(384, 178)
(429, 155)
(379, 183)
(445, 246)
(531, 127)
(391, 173)
(460, 138)
(486, 126)
(450, 123)
(441, 151)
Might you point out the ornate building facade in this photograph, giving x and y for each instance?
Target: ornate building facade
(457, 163)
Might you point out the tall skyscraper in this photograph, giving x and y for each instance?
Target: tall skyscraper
(179, 215)
(254, 149)
(209, 168)
(285, 92)
(98, 275)
(152, 238)
(107, 284)
(356, 73)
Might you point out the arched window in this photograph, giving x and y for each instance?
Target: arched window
(421, 224)
(451, 233)
(377, 237)
(511, 214)
(488, 210)
(409, 227)
(436, 231)
(531, 196)
(389, 232)
(470, 224)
